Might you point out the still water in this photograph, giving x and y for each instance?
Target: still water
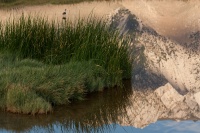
(111, 111)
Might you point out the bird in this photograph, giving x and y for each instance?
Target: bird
(64, 14)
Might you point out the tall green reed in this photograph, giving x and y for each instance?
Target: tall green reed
(59, 43)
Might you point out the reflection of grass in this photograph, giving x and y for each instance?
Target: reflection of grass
(103, 112)
(54, 63)
(92, 115)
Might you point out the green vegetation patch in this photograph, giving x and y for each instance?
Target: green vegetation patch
(60, 43)
(29, 87)
(53, 63)
(20, 99)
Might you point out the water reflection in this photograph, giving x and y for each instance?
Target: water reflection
(113, 110)
(95, 114)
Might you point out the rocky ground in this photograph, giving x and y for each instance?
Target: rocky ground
(148, 106)
(169, 75)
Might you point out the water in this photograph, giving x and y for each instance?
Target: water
(159, 127)
(107, 111)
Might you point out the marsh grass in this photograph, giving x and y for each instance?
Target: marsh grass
(53, 63)
(30, 87)
(55, 43)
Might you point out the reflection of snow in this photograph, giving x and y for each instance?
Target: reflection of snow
(3, 131)
(165, 126)
(180, 127)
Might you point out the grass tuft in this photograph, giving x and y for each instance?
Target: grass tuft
(20, 99)
(31, 87)
(53, 43)
(46, 63)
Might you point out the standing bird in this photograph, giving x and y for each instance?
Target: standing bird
(64, 14)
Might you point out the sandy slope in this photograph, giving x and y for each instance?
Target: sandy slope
(171, 18)
(99, 9)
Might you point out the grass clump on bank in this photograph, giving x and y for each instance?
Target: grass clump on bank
(55, 63)
(28, 86)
